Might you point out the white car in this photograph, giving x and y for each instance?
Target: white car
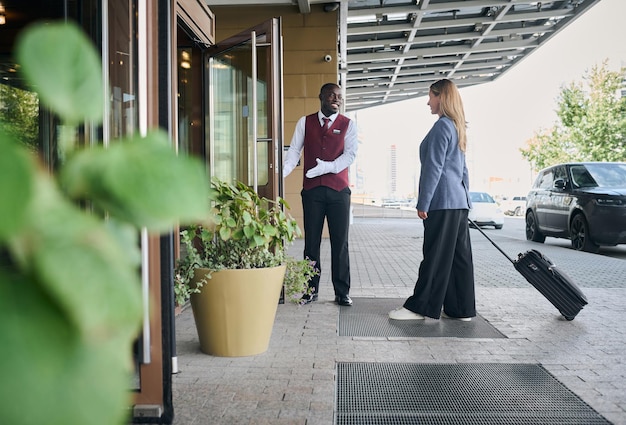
(485, 211)
(514, 206)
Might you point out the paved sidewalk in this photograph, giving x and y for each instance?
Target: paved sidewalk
(294, 381)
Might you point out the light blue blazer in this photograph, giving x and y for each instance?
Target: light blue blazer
(444, 181)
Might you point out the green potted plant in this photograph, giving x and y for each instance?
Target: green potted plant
(297, 277)
(233, 267)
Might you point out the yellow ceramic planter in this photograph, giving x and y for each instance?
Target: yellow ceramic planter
(235, 310)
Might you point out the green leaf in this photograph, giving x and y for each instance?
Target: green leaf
(270, 230)
(141, 181)
(260, 240)
(248, 231)
(68, 79)
(237, 234)
(247, 217)
(81, 265)
(15, 185)
(49, 375)
(224, 233)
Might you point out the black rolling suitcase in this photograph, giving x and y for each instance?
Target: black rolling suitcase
(553, 284)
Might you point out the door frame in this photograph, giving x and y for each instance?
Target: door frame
(267, 36)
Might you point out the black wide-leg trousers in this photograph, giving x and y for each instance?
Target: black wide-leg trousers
(322, 203)
(446, 274)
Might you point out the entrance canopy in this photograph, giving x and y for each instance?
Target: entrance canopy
(397, 49)
(393, 50)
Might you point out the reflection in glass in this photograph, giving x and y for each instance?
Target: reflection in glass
(19, 109)
(185, 100)
(232, 133)
(122, 68)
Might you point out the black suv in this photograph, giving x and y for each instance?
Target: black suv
(584, 202)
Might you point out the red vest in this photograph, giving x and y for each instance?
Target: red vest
(327, 146)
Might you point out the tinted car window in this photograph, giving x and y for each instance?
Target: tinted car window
(545, 180)
(581, 177)
(560, 173)
(606, 174)
(481, 197)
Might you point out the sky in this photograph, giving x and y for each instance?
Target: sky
(502, 115)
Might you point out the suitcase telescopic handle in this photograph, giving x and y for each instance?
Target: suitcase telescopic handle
(492, 242)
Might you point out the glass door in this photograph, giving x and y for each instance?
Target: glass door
(245, 114)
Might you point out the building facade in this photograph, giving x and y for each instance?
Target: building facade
(227, 83)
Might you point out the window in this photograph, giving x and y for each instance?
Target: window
(545, 180)
(123, 118)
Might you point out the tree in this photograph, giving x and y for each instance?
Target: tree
(591, 122)
(548, 147)
(20, 108)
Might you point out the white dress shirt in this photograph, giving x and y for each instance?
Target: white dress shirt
(297, 144)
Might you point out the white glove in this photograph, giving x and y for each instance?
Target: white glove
(323, 167)
(287, 169)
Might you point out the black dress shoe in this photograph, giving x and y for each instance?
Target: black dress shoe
(343, 300)
(306, 299)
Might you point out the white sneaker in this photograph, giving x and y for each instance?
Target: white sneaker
(462, 319)
(404, 314)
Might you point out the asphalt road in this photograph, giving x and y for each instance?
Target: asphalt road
(514, 228)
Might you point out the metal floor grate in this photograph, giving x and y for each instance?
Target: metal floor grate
(368, 317)
(454, 394)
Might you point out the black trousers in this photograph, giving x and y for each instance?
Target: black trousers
(322, 203)
(446, 274)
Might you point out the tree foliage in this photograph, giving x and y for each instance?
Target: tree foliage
(591, 123)
(19, 109)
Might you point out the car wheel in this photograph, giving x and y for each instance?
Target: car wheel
(498, 226)
(579, 234)
(532, 229)
(518, 211)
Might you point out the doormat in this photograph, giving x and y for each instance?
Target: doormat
(368, 317)
(453, 394)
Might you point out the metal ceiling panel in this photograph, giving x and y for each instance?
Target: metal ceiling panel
(396, 49)
(393, 50)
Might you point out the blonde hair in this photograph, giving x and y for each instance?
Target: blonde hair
(451, 106)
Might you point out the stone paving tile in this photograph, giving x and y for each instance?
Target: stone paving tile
(294, 381)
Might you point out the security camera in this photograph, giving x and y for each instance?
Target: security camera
(328, 58)
(331, 7)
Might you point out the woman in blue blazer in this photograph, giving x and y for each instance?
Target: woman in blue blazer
(445, 285)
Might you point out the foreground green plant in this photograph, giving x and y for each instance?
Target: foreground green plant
(70, 300)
